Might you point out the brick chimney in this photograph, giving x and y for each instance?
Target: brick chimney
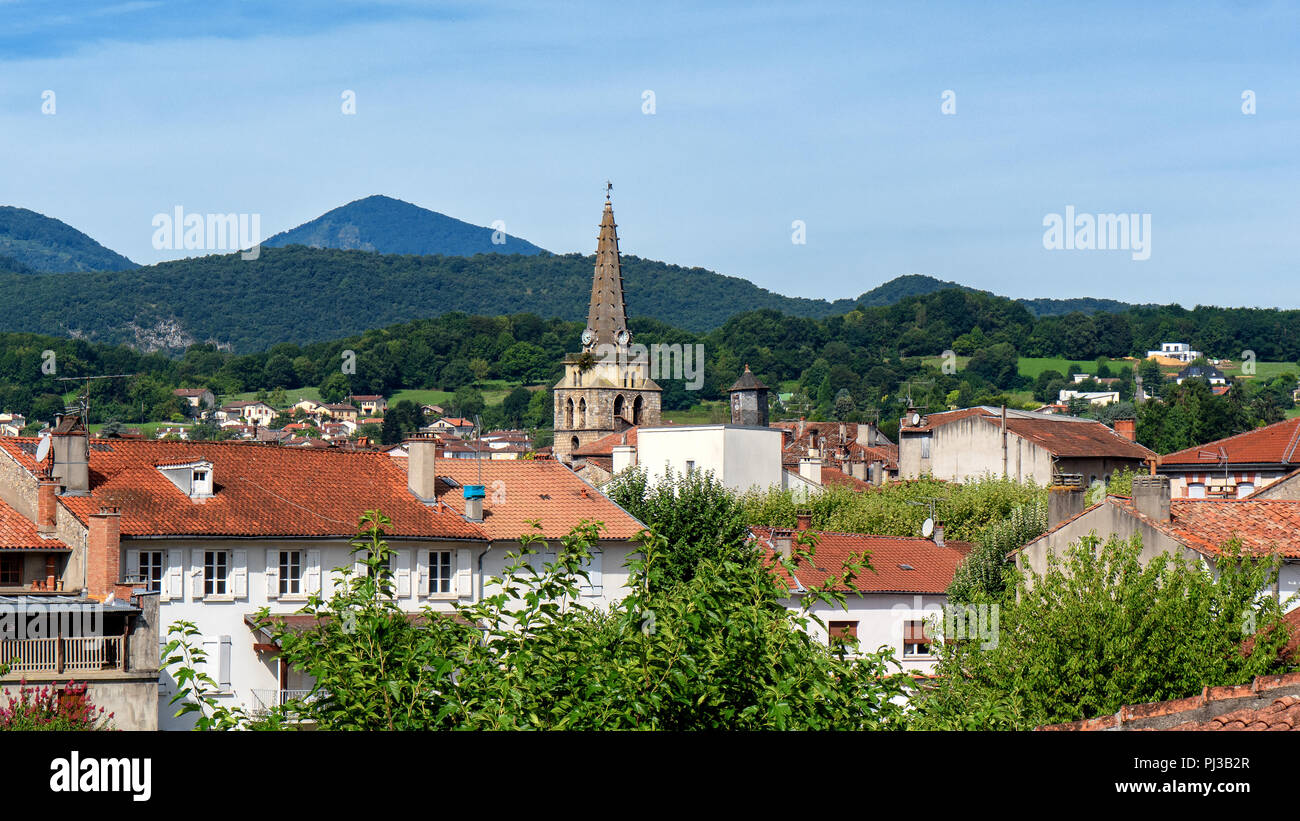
(1151, 497)
(103, 552)
(421, 461)
(46, 505)
(804, 521)
(1127, 428)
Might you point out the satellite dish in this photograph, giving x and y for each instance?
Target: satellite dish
(916, 419)
(927, 528)
(43, 449)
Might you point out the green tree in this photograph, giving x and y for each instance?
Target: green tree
(334, 388)
(695, 513)
(718, 652)
(1099, 630)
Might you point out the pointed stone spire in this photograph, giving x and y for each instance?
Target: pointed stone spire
(607, 318)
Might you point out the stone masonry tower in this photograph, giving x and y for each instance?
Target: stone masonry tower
(749, 401)
(607, 387)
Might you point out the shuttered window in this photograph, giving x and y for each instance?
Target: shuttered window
(290, 572)
(216, 570)
(915, 640)
(440, 572)
(843, 632)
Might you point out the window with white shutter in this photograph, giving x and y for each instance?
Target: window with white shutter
(441, 579)
(216, 573)
(311, 577)
(173, 586)
(239, 574)
(402, 573)
(594, 586)
(272, 573)
(147, 567)
(289, 572)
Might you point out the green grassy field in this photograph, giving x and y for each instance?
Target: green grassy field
(1263, 370)
(707, 412)
(1032, 366)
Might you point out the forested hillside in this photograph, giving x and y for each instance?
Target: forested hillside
(36, 242)
(391, 226)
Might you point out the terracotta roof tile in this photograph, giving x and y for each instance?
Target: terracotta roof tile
(932, 566)
(1063, 436)
(521, 489)
(604, 446)
(1263, 525)
(261, 490)
(1272, 444)
(17, 532)
(1240, 707)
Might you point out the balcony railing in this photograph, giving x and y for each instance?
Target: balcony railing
(264, 700)
(60, 655)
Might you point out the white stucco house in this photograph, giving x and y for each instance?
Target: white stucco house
(222, 529)
(896, 604)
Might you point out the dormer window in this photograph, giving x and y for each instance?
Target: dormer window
(194, 479)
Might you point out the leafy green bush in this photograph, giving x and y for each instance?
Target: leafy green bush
(717, 651)
(898, 509)
(698, 517)
(1099, 630)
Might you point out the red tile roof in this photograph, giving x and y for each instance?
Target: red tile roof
(604, 446)
(17, 532)
(932, 566)
(834, 477)
(1267, 703)
(521, 489)
(1264, 525)
(1273, 444)
(261, 490)
(1064, 437)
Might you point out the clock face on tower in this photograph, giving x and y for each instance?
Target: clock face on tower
(588, 336)
(623, 337)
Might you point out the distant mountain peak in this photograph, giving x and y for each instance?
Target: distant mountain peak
(388, 225)
(37, 243)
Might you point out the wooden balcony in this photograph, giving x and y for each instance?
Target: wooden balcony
(63, 655)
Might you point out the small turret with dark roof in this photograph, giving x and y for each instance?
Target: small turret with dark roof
(749, 401)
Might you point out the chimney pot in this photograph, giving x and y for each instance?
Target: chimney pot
(804, 521)
(938, 534)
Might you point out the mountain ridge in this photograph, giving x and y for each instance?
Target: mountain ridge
(388, 225)
(39, 243)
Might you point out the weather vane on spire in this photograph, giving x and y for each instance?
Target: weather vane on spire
(608, 187)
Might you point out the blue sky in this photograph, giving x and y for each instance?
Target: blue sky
(825, 113)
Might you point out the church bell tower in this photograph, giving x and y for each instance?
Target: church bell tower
(606, 387)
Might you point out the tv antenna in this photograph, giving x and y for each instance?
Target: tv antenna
(910, 382)
(83, 403)
(927, 527)
(1221, 456)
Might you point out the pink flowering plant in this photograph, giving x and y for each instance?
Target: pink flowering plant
(51, 708)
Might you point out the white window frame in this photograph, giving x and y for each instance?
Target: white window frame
(284, 581)
(146, 568)
(435, 579)
(210, 584)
